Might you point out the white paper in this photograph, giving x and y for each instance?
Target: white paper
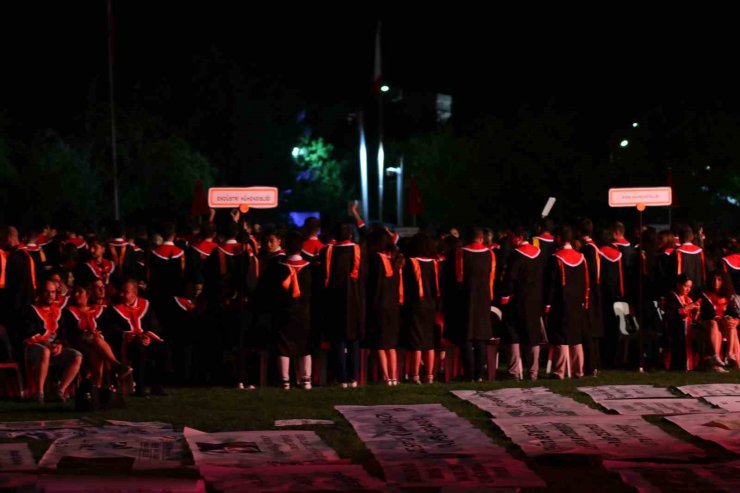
(611, 392)
(638, 407)
(648, 477)
(609, 436)
(16, 457)
(302, 422)
(711, 389)
(257, 448)
(720, 428)
(44, 425)
(524, 402)
(727, 402)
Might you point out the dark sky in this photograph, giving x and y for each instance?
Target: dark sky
(608, 64)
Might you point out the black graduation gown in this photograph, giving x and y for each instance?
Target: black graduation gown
(124, 256)
(196, 257)
(731, 265)
(451, 299)
(630, 268)
(689, 259)
(45, 324)
(290, 307)
(663, 278)
(612, 288)
(420, 294)
(475, 269)
(73, 318)
(88, 272)
(344, 298)
(567, 296)
(166, 271)
(677, 321)
(41, 263)
(383, 309)
(546, 243)
(595, 316)
(20, 291)
(522, 296)
(148, 361)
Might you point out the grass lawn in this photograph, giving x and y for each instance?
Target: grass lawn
(224, 409)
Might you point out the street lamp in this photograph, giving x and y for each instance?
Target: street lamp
(398, 171)
(624, 143)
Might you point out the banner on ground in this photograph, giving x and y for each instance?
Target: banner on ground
(16, 457)
(525, 402)
(642, 407)
(302, 422)
(44, 425)
(306, 477)
(727, 402)
(123, 450)
(257, 448)
(720, 428)
(91, 484)
(611, 392)
(142, 425)
(648, 477)
(609, 436)
(429, 445)
(711, 389)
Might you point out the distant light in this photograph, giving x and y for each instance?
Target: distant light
(624, 143)
(384, 88)
(296, 152)
(635, 124)
(709, 168)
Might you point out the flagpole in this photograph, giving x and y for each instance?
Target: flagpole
(381, 153)
(116, 210)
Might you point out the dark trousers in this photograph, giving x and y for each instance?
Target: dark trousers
(474, 359)
(347, 359)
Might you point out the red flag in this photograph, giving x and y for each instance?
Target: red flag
(415, 206)
(200, 202)
(377, 72)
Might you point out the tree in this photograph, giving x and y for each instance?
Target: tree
(319, 184)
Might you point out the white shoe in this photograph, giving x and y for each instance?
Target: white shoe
(306, 384)
(344, 385)
(353, 384)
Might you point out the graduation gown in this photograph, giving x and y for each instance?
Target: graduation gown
(546, 243)
(343, 280)
(595, 316)
(689, 259)
(384, 295)
(663, 278)
(148, 361)
(475, 271)
(678, 322)
(288, 285)
(91, 271)
(44, 325)
(567, 297)
(421, 292)
(166, 271)
(197, 256)
(731, 265)
(522, 296)
(124, 256)
(311, 248)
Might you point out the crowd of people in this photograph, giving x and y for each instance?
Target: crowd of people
(131, 310)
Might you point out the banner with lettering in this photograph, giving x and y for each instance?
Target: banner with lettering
(427, 444)
(711, 389)
(648, 477)
(611, 392)
(257, 448)
(637, 407)
(16, 457)
(111, 449)
(524, 402)
(727, 402)
(609, 436)
(720, 428)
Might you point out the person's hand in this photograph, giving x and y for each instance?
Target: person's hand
(235, 215)
(212, 215)
(145, 340)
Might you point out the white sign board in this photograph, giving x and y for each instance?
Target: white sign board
(642, 407)
(722, 429)
(611, 392)
(527, 402)
(254, 197)
(631, 197)
(711, 389)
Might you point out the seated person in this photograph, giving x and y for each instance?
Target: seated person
(135, 329)
(717, 319)
(44, 348)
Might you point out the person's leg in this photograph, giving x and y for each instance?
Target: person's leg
(392, 365)
(284, 368)
(467, 353)
(429, 365)
(533, 363)
(515, 361)
(37, 364)
(415, 367)
(715, 342)
(383, 361)
(70, 360)
(559, 358)
(729, 328)
(340, 359)
(576, 360)
(480, 358)
(304, 370)
(353, 362)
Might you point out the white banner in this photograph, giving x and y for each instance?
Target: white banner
(711, 389)
(125, 449)
(648, 477)
(91, 484)
(610, 436)
(610, 392)
(525, 402)
(16, 457)
(641, 407)
(44, 425)
(720, 428)
(49, 435)
(306, 477)
(726, 402)
(143, 425)
(429, 445)
(302, 422)
(257, 448)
